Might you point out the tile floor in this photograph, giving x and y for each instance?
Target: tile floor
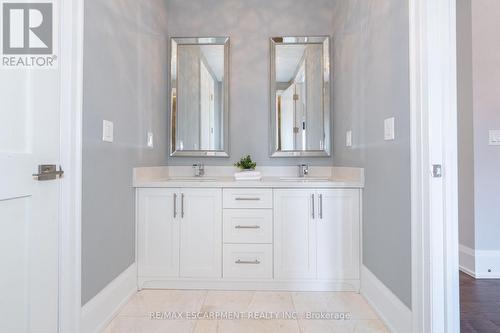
(135, 315)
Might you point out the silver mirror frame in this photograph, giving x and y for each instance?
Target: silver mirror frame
(201, 41)
(325, 41)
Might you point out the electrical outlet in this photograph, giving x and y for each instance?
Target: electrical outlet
(389, 132)
(107, 131)
(494, 138)
(150, 140)
(348, 138)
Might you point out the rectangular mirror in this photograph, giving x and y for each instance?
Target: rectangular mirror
(300, 97)
(199, 100)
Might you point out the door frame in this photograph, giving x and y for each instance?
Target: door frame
(433, 91)
(71, 102)
(433, 118)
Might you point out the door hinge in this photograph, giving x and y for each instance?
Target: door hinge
(437, 171)
(295, 97)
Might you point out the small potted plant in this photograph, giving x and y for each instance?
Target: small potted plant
(246, 164)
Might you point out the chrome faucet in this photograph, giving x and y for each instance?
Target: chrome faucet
(303, 170)
(199, 169)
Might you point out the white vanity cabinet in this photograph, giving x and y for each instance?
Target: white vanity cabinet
(179, 233)
(316, 234)
(262, 238)
(338, 234)
(294, 234)
(157, 232)
(200, 233)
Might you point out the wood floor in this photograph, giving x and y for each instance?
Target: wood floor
(479, 305)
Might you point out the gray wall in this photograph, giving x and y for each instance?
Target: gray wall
(125, 77)
(250, 24)
(465, 125)
(486, 83)
(371, 68)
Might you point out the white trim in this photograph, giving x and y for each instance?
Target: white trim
(71, 66)
(394, 313)
(476, 263)
(467, 260)
(433, 141)
(100, 310)
(419, 174)
(271, 285)
(487, 260)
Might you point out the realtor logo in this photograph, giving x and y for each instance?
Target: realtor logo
(27, 34)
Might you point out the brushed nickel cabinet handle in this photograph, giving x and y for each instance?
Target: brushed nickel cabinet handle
(321, 206)
(182, 205)
(313, 209)
(254, 262)
(247, 199)
(175, 205)
(247, 227)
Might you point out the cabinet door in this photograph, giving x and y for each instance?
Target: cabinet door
(295, 235)
(157, 233)
(201, 233)
(338, 234)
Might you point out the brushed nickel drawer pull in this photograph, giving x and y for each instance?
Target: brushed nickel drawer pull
(247, 199)
(247, 227)
(255, 262)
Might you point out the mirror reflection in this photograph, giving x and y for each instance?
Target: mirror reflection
(301, 90)
(199, 95)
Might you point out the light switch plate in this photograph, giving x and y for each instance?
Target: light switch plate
(348, 138)
(150, 140)
(389, 129)
(494, 138)
(107, 131)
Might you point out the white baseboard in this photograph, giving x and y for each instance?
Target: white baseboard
(394, 313)
(487, 264)
(467, 261)
(480, 264)
(100, 310)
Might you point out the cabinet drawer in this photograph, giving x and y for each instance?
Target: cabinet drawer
(248, 261)
(248, 198)
(248, 226)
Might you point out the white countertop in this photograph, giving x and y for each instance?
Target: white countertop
(331, 177)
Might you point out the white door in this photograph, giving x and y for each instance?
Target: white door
(338, 234)
(29, 209)
(287, 119)
(207, 106)
(201, 233)
(294, 234)
(158, 232)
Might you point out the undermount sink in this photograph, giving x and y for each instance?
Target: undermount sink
(191, 179)
(304, 179)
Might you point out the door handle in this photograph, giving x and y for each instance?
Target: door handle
(247, 227)
(247, 199)
(175, 205)
(313, 209)
(48, 172)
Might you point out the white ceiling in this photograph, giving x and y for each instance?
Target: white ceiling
(287, 61)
